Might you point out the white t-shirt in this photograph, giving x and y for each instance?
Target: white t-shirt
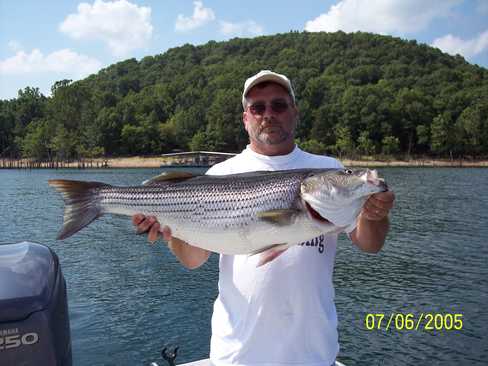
(282, 313)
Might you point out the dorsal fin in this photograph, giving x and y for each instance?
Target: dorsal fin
(168, 177)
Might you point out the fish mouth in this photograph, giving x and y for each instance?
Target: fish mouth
(315, 215)
(373, 178)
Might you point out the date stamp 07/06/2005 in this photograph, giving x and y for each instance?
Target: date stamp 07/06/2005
(410, 321)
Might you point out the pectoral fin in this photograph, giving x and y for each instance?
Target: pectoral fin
(278, 217)
(270, 253)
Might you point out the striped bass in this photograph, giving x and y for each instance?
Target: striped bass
(230, 214)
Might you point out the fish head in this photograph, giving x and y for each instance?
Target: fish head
(337, 196)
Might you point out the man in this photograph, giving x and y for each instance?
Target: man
(283, 312)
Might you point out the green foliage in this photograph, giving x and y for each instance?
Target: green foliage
(185, 124)
(344, 142)
(357, 93)
(423, 135)
(200, 142)
(37, 141)
(167, 137)
(391, 145)
(65, 144)
(312, 146)
(365, 145)
(224, 129)
(472, 125)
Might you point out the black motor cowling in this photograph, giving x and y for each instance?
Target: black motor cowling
(34, 322)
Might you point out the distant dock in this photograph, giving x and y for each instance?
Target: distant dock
(194, 159)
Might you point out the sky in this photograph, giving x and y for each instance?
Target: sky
(42, 42)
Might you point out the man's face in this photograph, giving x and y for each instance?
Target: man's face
(275, 125)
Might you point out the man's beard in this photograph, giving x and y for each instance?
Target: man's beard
(278, 135)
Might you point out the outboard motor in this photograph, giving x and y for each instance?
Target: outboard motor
(34, 322)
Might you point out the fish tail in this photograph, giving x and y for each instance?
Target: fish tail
(82, 204)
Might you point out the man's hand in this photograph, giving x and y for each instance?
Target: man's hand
(373, 223)
(378, 206)
(190, 256)
(151, 225)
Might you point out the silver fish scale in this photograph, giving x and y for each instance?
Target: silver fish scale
(208, 201)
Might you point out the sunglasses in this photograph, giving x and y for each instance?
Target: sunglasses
(277, 106)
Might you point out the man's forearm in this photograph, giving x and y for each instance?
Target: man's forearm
(191, 257)
(370, 235)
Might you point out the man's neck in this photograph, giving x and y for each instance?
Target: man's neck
(272, 150)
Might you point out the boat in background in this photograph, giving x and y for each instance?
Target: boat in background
(194, 159)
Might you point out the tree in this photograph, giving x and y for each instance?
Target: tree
(412, 108)
(473, 125)
(312, 146)
(70, 105)
(423, 136)
(132, 139)
(29, 105)
(37, 141)
(200, 141)
(391, 145)
(224, 129)
(109, 123)
(64, 144)
(364, 144)
(167, 137)
(445, 136)
(185, 123)
(7, 125)
(344, 143)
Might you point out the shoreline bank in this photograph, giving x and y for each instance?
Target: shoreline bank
(161, 162)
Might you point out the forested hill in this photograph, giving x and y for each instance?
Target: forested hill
(358, 94)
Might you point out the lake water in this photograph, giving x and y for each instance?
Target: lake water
(127, 298)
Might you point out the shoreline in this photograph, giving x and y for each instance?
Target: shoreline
(162, 162)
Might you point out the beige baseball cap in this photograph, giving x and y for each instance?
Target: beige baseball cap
(267, 75)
